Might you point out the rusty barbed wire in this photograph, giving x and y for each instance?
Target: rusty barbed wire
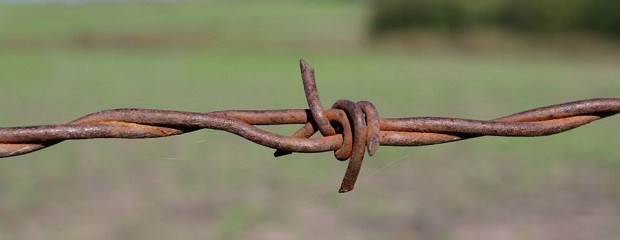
(348, 128)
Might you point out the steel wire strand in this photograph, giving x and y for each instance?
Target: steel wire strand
(148, 123)
(355, 126)
(418, 131)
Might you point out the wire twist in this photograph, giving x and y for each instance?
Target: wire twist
(348, 128)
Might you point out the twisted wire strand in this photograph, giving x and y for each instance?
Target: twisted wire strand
(348, 128)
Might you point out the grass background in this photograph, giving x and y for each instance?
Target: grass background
(59, 62)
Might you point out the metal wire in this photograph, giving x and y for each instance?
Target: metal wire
(348, 128)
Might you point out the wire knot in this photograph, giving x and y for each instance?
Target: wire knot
(358, 123)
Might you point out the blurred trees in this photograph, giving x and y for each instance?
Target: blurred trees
(533, 16)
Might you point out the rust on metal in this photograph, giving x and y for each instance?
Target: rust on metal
(312, 95)
(349, 129)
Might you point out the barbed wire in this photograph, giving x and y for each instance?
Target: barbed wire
(348, 128)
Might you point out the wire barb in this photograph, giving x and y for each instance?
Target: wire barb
(349, 129)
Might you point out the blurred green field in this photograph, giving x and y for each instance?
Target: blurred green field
(59, 62)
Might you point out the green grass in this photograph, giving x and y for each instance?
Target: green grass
(218, 185)
(241, 25)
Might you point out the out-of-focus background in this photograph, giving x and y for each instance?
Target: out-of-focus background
(478, 59)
